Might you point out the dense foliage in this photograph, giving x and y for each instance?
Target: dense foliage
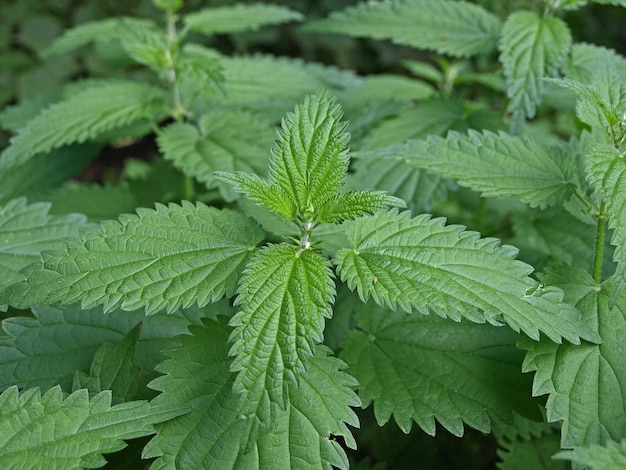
(216, 259)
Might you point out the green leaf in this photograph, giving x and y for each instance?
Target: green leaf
(531, 48)
(85, 116)
(456, 28)
(601, 103)
(607, 172)
(585, 59)
(611, 456)
(262, 192)
(227, 140)
(43, 172)
(50, 432)
(417, 187)
(237, 18)
(535, 453)
(48, 348)
(421, 264)
(113, 369)
(355, 204)
(159, 259)
(198, 374)
(144, 43)
(198, 69)
(27, 230)
(424, 368)
(95, 201)
(277, 83)
(434, 116)
(92, 31)
(309, 160)
(497, 165)
(586, 384)
(284, 296)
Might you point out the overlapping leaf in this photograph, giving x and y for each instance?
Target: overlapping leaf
(227, 141)
(611, 456)
(607, 172)
(531, 48)
(85, 116)
(449, 27)
(237, 18)
(27, 230)
(47, 349)
(423, 368)
(421, 264)
(586, 384)
(601, 103)
(159, 259)
(497, 165)
(198, 374)
(52, 432)
(284, 296)
(308, 168)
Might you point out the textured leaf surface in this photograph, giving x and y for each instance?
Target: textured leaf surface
(237, 18)
(198, 374)
(421, 264)
(497, 165)
(84, 116)
(159, 259)
(585, 59)
(607, 172)
(47, 349)
(602, 102)
(424, 368)
(284, 296)
(612, 456)
(456, 28)
(225, 141)
(535, 453)
(50, 432)
(27, 230)
(309, 160)
(586, 384)
(531, 48)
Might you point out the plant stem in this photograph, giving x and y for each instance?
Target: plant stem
(179, 110)
(599, 249)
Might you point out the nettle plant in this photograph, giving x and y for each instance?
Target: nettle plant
(289, 288)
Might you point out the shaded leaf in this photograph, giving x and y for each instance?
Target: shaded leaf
(424, 368)
(84, 116)
(456, 28)
(237, 18)
(497, 165)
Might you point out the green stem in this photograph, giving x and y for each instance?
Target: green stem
(599, 249)
(179, 110)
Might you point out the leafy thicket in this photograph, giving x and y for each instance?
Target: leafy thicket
(238, 287)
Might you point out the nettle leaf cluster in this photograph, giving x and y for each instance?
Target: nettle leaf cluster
(234, 300)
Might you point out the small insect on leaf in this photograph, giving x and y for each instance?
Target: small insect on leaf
(374, 280)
